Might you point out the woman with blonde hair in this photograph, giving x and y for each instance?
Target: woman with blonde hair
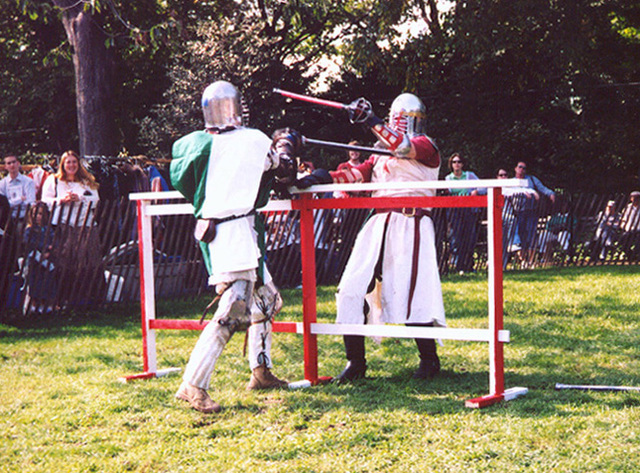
(72, 183)
(72, 193)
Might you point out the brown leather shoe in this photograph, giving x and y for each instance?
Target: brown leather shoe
(263, 378)
(197, 398)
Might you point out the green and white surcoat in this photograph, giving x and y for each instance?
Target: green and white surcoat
(225, 175)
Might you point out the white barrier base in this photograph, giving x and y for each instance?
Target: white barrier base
(148, 375)
(300, 384)
(513, 393)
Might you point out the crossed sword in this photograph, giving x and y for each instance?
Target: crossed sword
(332, 104)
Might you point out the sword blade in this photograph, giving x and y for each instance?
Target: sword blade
(596, 388)
(333, 144)
(307, 98)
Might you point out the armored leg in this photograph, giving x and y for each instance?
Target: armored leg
(232, 315)
(265, 305)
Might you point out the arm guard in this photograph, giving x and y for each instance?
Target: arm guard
(396, 141)
(360, 111)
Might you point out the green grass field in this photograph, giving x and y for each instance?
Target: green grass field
(63, 410)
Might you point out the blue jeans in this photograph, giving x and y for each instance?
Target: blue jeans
(464, 233)
(527, 225)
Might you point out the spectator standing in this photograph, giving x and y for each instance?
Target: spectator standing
(513, 197)
(41, 282)
(463, 222)
(606, 232)
(630, 227)
(39, 175)
(18, 188)
(527, 212)
(8, 248)
(72, 194)
(557, 233)
(354, 159)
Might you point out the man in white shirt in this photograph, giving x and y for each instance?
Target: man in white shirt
(19, 189)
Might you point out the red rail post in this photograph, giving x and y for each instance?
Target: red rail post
(309, 296)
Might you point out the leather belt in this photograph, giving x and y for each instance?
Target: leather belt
(417, 213)
(235, 217)
(407, 211)
(205, 230)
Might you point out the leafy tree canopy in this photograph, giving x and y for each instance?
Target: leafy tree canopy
(551, 82)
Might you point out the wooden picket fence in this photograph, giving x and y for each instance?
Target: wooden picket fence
(566, 235)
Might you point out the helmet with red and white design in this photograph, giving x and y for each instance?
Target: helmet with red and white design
(408, 115)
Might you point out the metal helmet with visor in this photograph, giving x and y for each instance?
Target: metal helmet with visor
(222, 105)
(408, 115)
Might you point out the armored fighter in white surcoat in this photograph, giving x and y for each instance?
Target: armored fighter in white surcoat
(392, 273)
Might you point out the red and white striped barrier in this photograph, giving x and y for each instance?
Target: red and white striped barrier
(495, 334)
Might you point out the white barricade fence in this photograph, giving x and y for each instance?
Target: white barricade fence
(150, 204)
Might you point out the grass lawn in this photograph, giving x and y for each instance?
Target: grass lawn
(63, 410)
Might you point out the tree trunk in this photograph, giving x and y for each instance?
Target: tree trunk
(93, 65)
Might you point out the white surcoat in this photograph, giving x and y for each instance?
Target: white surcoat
(237, 162)
(391, 298)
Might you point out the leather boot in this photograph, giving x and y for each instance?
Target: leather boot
(197, 398)
(263, 378)
(356, 364)
(429, 361)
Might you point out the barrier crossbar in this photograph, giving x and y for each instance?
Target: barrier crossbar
(150, 204)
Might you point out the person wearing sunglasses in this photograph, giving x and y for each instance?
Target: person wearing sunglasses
(463, 222)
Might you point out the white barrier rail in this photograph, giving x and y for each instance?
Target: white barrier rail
(151, 204)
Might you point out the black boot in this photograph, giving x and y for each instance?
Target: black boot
(356, 364)
(429, 361)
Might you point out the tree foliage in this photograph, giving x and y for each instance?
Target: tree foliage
(552, 82)
(117, 50)
(257, 46)
(36, 85)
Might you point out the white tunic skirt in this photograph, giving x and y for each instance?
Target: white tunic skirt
(427, 305)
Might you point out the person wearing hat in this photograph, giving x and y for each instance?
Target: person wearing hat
(630, 226)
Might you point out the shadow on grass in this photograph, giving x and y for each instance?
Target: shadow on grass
(447, 394)
(546, 341)
(107, 323)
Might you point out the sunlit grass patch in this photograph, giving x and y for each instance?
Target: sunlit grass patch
(63, 410)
